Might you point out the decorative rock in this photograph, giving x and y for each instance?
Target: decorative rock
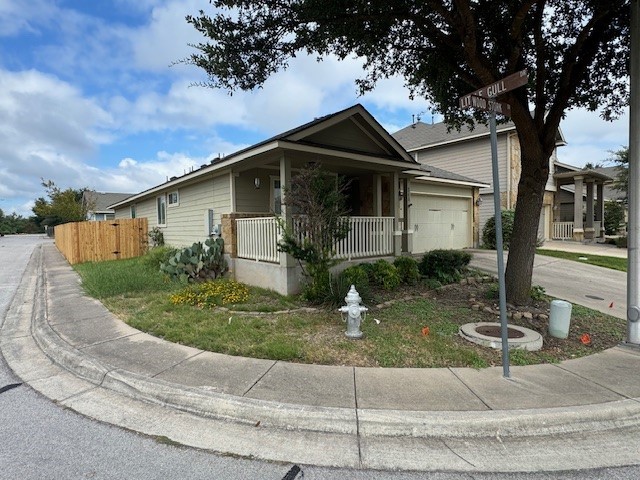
(472, 280)
(475, 307)
(527, 315)
(510, 307)
(517, 315)
(509, 314)
(472, 299)
(543, 317)
(463, 281)
(488, 310)
(380, 305)
(486, 279)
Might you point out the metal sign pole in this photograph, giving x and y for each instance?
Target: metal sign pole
(633, 270)
(499, 247)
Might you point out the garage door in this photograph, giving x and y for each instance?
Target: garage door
(440, 222)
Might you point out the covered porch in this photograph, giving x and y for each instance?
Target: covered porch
(350, 145)
(579, 209)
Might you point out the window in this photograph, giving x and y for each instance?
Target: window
(173, 199)
(132, 210)
(162, 210)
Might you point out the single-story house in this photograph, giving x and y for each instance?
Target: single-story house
(98, 204)
(398, 206)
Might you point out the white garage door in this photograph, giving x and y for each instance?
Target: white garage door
(440, 222)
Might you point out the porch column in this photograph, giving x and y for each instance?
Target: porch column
(578, 231)
(589, 230)
(377, 195)
(407, 231)
(285, 180)
(600, 207)
(395, 210)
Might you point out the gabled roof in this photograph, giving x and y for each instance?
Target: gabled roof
(316, 136)
(421, 135)
(99, 202)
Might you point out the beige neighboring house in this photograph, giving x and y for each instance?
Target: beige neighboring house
(468, 152)
(99, 203)
(398, 206)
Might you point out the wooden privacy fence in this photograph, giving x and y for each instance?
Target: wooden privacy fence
(107, 240)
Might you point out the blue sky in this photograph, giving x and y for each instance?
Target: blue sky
(88, 99)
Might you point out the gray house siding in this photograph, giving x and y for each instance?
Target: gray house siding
(471, 159)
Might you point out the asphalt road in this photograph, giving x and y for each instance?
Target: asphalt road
(40, 440)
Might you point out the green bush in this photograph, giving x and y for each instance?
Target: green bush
(341, 283)
(356, 275)
(158, 255)
(613, 217)
(407, 269)
(489, 230)
(446, 266)
(384, 274)
(621, 242)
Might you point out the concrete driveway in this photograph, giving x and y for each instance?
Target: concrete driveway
(598, 288)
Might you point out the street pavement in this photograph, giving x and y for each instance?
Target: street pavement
(581, 413)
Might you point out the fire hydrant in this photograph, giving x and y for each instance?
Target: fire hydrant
(354, 312)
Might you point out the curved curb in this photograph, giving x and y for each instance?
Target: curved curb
(387, 423)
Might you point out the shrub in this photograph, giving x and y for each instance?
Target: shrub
(384, 274)
(446, 266)
(613, 217)
(340, 284)
(355, 275)
(489, 230)
(157, 237)
(538, 292)
(211, 294)
(198, 262)
(158, 255)
(407, 269)
(621, 242)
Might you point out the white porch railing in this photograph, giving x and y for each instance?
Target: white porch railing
(257, 238)
(562, 230)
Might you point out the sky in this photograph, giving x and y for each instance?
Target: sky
(90, 96)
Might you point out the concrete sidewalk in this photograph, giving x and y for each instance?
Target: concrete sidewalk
(583, 413)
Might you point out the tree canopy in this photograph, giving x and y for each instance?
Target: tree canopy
(62, 206)
(621, 159)
(576, 53)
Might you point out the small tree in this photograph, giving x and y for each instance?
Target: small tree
(613, 216)
(63, 206)
(621, 159)
(320, 198)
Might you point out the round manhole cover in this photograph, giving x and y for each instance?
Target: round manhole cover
(495, 331)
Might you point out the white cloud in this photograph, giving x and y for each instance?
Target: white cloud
(17, 16)
(165, 38)
(590, 139)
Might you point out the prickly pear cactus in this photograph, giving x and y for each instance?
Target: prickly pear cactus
(198, 262)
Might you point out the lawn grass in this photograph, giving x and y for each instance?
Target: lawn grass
(138, 293)
(614, 263)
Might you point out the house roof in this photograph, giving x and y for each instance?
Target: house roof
(427, 172)
(99, 202)
(421, 135)
(307, 138)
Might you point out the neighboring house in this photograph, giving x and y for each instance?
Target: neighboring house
(578, 211)
(397, 205)
(468, 152)
(98, 204)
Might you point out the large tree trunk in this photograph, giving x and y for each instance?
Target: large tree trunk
(531, 187)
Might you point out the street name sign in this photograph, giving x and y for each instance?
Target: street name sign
(484, 98)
